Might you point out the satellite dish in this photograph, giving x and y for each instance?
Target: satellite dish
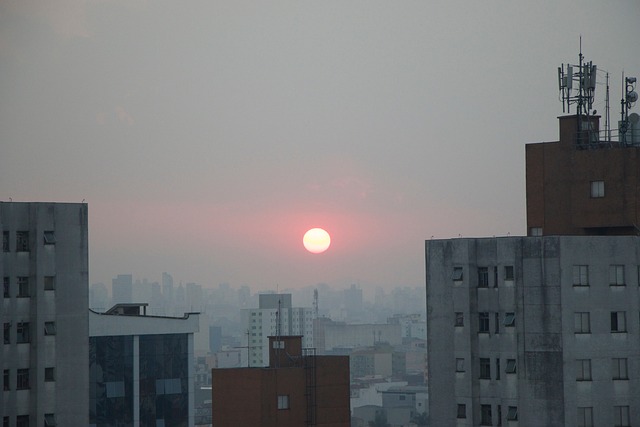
(632, 96)
(634, 118)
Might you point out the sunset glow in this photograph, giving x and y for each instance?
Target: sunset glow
(316, 240)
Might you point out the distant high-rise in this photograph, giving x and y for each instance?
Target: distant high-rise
(122, 289)
(44, 265)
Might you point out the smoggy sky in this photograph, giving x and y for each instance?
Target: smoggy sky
(208, 136)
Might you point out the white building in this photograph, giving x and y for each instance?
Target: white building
(534, 331)
(44, 265)
(275, 316)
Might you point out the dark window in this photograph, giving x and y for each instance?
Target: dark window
(5, 242)
(497, 323)
(621, 416)
(485, 368)
(498, 368)
(5, 422)
(7, 333)
(49, 238)
(6, 384)
(619, 369)
(459, 319)
(508, 272)
(22, 241)
(7, 287)
(22, 382)
(49, 374)
(580, 275)
(459, 365)
(49, 283)
(49, 328)
(581, 322)
(22, 332)
(509, 319)
(485, 415)
(495, 277)
(483, 327)
(483, 277)
(499, 415)
(583, 370)
(616, 275)
(512, 414)
(511, 366)
(585, 417)
(462, 410)
(618, 321)
(23, 287)
(457, 273)
(50, 420)
(22, 421)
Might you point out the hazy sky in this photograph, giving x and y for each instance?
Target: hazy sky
(208, 136)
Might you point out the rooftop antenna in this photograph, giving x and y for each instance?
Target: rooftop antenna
(629, 98)
(578, 88)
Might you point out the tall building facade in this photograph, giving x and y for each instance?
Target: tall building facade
(44, 265)
(275, 316)
(534, 330)
(296, 389)
(141, 368)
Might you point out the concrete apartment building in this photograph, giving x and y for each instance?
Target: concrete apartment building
(44, 265)
(543, 330)
(297, 389)
(141, 368)
(275, 316)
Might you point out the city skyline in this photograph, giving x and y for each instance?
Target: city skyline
(208, 137)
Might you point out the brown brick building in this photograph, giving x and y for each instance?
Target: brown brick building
(581, 186)
(297, 389)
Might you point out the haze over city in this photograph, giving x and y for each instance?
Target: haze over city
(207, 137)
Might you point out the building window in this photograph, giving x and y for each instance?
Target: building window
(485, 415)
(618, 321)
(508, 272)
(22, 332)
(49, 420)
(278, 344)
(495, 277)
(619, 369)
(535, 231)
(459, 365)
(580, 275)
(49, 328)
(583, 370)
(459, 319)
(483, 327)
(49, 374)
(509, 319)
(621, 416)
(23, 287)
(22, 241)
(22, 421)
(485, 368)
(283, 401)
(483, 277)
(49, 283)
(581, 322)
(7, 333)
(49, 238)
(616, 275)
(498, 368)
(22, 382)
(499, 414)
(5, 421)
(511, 366)
(585, 417)
(5, 242)
(462, 410)
(497, 322)
(5, 382)
(512, 413)
(7, 286)
(597, 189)
(457, 274)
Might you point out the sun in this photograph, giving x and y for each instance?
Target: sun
(316, 240)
